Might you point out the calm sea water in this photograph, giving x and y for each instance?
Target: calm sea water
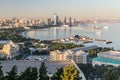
(111, 32)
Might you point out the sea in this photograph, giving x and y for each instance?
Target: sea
(106, 31)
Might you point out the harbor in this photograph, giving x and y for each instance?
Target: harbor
(63, 35)
(84, 39)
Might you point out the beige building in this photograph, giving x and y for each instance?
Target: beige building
(9, 49)
(78, 56)
(56, 55)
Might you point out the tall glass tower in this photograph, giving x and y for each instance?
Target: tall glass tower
(56, 19)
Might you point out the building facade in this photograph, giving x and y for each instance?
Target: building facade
(78, 56)
(56, 19)
(107, 58)
(9, 49)
(56, 55)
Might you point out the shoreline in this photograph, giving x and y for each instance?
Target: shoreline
(24, 34)
(26, 31)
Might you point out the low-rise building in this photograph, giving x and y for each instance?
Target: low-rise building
(56, 55)
(8, 49)
(78, 57)
(76, 54)
(107, 58)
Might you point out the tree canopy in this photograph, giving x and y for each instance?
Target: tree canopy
(70, 73)
(43, 72)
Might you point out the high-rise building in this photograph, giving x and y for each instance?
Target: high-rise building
(65, 21)
(48, 21)
(70, 21)
(56, 20)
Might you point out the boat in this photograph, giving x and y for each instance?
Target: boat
(106, 27)
(62, 40)
(71, 38)
(107, 42)
(65, 25)
(95, 27)
(66, 40)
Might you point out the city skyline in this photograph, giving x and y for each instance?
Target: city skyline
(46, 8)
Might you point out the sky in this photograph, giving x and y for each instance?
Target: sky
(74, 8)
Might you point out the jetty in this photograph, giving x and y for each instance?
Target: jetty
(105, 41)
(85, 39)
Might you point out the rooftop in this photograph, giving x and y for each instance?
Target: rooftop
(81, 53)
(84, 48)
(107, 60)
(110, 54)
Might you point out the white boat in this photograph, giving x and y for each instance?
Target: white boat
(65, 25)
(66, 40)
(71, 38)
(106, 27)
(62, 40)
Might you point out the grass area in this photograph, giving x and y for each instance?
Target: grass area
(59, 46)
(93, 52)
(19, 57)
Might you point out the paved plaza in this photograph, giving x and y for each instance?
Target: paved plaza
(22, 65)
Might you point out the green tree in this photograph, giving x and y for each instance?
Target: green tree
(34, 73)
(119, 78)
(43, 72)
(57, 75)
(29, 74)
(70, 73)
(1, 74)
(12, 75)
(110, 75)
(87, 69)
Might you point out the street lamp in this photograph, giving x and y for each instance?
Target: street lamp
(50, 75)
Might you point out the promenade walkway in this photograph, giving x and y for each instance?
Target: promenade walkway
(80, 71)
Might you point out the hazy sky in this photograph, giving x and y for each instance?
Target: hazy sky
(46, 8)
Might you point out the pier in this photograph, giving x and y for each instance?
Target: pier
(85, 39)
(105, 41)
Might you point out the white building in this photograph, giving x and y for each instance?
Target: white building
(9, 49)
(56, 19)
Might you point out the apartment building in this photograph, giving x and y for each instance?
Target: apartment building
(8, 49)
